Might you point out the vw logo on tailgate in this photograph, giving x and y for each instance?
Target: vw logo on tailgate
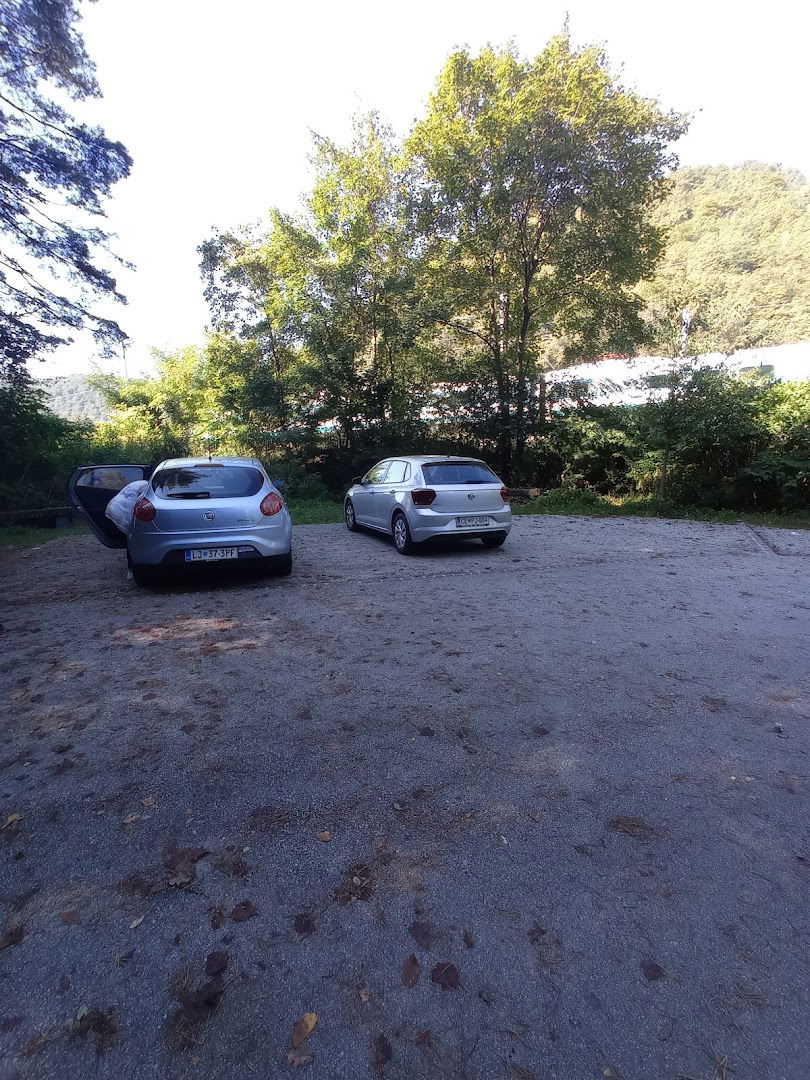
(209, 515)
(470, 495)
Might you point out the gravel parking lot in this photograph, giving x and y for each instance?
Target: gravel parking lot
(534, 812)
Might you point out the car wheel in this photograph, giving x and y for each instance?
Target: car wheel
(351, 520)
(494, 541)
(283, 567)
(276, 565)
(146, 577)
(402, 536)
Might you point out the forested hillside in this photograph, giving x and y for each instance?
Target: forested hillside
(738, 254)
(72, 398)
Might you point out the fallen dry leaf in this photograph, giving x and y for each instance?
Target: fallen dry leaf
(469, 940)
(303, 1028)
(652, 971)
(148, 802)
(197, 1005)
(537, 933)
(446, 976)
(630, 826)
(99, 1023)
(70, 918)
(142, 883)
(215, 963)
(324, 837)
(12, 819)
(136, 922)
(181, 864)
(216, 915)
(244, 911)
(15, 935)
(410, 971)
(130, 819)
(304, 923)
(364, 994)
(64, 983)
(520, 1073)
(423, 933)
(382, 1051)
(358, 884)
(298, 1056)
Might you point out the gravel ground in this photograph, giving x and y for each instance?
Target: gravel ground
(534, 812)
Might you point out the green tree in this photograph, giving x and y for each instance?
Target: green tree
(535, 184)
(329, 295)
(54, 174)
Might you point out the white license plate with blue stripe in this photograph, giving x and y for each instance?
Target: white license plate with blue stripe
(472, 522)
(211, 554)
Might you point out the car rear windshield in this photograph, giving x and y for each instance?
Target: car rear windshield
(458, 472)
(208, 482)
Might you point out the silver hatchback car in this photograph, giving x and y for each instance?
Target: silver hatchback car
(422, 498)
(192, 512)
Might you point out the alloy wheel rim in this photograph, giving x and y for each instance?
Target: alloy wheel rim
(350, 515)
(399, 532)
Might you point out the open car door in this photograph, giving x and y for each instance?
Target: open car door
(91, 487)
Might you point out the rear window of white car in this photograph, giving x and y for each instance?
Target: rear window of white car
(208, 482)
(438, 473)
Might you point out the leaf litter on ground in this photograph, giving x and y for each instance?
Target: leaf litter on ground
(446, 976)
(180, 864)
(299, 1052)
(410, 971)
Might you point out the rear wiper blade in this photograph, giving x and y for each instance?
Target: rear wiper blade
(189, 495)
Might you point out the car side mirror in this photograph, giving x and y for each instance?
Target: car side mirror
(357, 480)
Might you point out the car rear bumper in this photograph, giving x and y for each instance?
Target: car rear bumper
(427, 524)
(156, 548)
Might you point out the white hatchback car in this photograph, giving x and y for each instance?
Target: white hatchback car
(424, 498)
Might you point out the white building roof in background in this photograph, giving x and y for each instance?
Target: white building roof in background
(790, 363)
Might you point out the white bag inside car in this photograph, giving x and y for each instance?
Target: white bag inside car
(119, 508)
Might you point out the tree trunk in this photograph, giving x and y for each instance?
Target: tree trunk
(662, 482)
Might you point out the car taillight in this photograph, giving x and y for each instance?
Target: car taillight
(505, 493)
(143, 510)
(271, 504)
(423, 496)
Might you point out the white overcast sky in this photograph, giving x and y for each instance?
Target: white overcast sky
(216, 101)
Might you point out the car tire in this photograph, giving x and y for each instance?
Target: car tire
(351, 520)
(402, 535)
(496, 540)
(278, 565)
(145, 577)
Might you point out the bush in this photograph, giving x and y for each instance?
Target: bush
(774, 482)
(295, 481)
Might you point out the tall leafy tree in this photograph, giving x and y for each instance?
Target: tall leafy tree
(54, 175)
(535, 184)
(331, 291)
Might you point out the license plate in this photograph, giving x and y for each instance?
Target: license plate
(210, 554)
(471, 522)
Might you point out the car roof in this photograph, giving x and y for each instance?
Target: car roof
(421, 459)
(189, 462)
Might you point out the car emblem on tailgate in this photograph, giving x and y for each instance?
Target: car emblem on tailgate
(470, 495)
(209, 515)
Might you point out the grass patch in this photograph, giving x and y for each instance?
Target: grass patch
(27, 536)
(588, 503)
(315, 511)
